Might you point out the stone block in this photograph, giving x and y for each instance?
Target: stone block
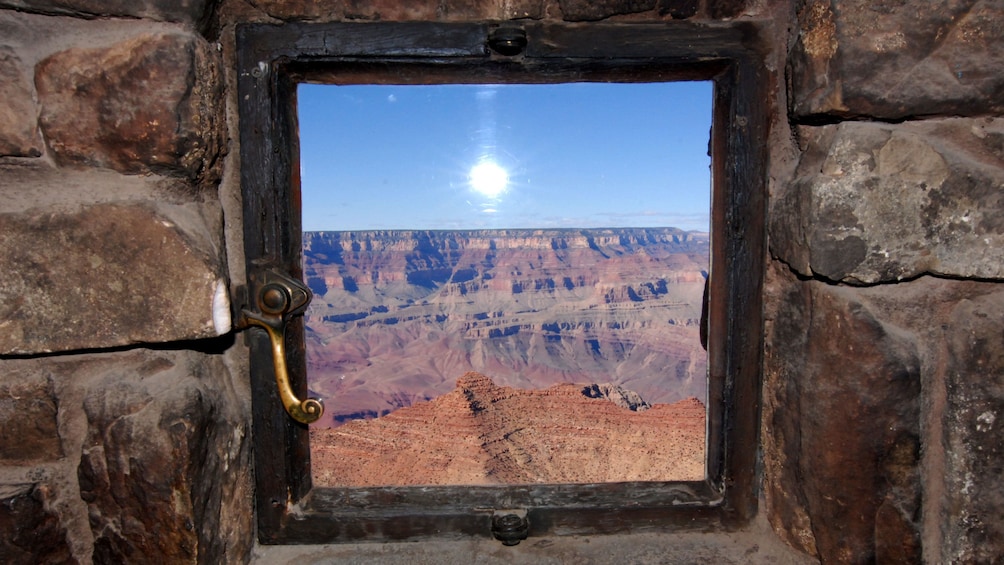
(150, 104)
(841, 426)
(159, 465)
(295, 10)
(591, 10)
(725, 9)
(516, 9)
(898, 59)
(193, 12)
(678, 9)
(970, 520)
(31, 532)
(884, 202)
(393, 10)
(107, 275)
(18, 124)
(28, 426)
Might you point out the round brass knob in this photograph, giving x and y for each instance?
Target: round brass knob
(274, 299)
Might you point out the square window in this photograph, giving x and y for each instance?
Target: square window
(551, 238)
(275, 60)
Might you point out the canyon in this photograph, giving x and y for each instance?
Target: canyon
(398, 316)
(481, 433)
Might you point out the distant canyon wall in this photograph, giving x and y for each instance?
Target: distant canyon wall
(398, 316)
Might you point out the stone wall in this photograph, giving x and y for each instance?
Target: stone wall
(884, 380)
(124, 407)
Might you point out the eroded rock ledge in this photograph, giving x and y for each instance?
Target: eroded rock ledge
(481, 433)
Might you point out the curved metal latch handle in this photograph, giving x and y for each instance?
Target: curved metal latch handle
(278, 299)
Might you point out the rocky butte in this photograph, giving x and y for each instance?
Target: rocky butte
(481, 433)
(398, 315)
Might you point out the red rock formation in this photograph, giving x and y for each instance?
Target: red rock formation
(397, 314)
(481, 433)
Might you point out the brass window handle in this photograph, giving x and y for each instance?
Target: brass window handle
(279, 298)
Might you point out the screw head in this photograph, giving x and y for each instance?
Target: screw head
(510, 529)
(274, 299)
(508, 41)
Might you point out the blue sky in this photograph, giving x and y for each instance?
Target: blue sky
(575, 155)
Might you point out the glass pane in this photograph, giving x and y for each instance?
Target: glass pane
(508, 281)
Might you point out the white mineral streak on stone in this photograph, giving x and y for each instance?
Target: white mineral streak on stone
(221, 308)
(986, 421)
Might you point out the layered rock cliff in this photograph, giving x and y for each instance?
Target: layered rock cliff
(481, 433)
(397, 314)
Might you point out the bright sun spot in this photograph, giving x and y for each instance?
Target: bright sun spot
(488, 178)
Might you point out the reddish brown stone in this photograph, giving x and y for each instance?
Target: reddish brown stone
(187, 11)
(842, 424)
(591, 10)
(293, 10)
(18, 125)
(896, 537)
(30, 530)
(392, 10)
(158, 466)
(718, 9)
(898, 59)
(152, 104)
(28, 429)
(970, 519)
(678, 9)
(866, 345)
(389, 11)
(107, 275)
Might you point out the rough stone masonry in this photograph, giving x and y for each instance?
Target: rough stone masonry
(124, 406)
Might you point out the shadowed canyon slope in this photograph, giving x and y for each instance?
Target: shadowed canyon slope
(397, 316)
(481, 433)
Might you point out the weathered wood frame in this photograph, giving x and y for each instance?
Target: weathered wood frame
(273, 59)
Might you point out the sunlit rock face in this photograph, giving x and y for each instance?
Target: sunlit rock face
(481, 433)
(398, 315)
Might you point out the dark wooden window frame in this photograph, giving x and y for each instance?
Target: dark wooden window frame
(273, 59)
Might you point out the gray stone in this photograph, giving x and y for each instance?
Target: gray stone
(150, 104)
(161, 461)
(586, 10)
(970, 520)
(104, 276)
(897, 59)
(880, 202)
(28, 426)
(842, 426)
(193, 12)
(32, 184)
(30, 530)
(18, 124)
